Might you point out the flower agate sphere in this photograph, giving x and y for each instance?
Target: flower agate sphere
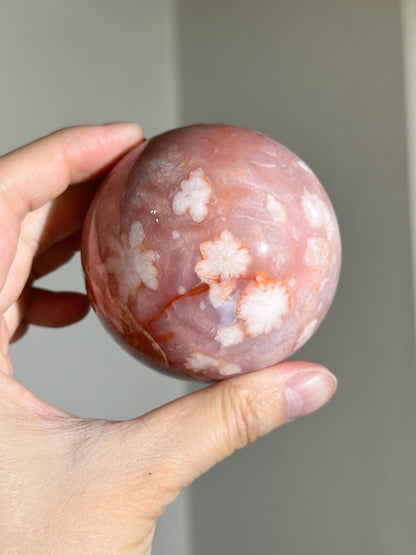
(211, 251)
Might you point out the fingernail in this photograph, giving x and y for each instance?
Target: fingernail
(308, 391)
(119, 123)
(133, 129)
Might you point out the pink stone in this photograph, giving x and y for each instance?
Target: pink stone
(211, 251)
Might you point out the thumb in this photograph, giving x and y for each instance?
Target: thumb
(190, 435)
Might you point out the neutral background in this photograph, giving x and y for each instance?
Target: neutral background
(332, 79)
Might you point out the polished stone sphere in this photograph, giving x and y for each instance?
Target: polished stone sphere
(211, 251)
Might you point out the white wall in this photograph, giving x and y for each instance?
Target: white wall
(325, 78)
(65, 63)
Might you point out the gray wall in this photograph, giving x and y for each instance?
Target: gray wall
(409, 56)
(325, 78)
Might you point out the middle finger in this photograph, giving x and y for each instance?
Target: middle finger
(43, 228)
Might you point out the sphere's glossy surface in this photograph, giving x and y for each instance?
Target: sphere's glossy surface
(210, 251)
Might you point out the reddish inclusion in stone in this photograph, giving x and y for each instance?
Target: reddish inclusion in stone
(210, 251)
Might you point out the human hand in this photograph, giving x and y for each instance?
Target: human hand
(76, 485)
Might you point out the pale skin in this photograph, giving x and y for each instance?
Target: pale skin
(75, 485)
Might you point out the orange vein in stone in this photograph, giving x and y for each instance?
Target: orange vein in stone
(201, 288)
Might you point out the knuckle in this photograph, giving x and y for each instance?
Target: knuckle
(240, 413)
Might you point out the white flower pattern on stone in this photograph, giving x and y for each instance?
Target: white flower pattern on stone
(200, 363)
(276, 208)
(230, 335)
(225, 258)
(194, 196)
(219, 293)
(263, 306)
(131, 264)
(317, 213)
(317, 253)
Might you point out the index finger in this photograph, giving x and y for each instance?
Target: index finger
(36, 173)
(40, 171)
